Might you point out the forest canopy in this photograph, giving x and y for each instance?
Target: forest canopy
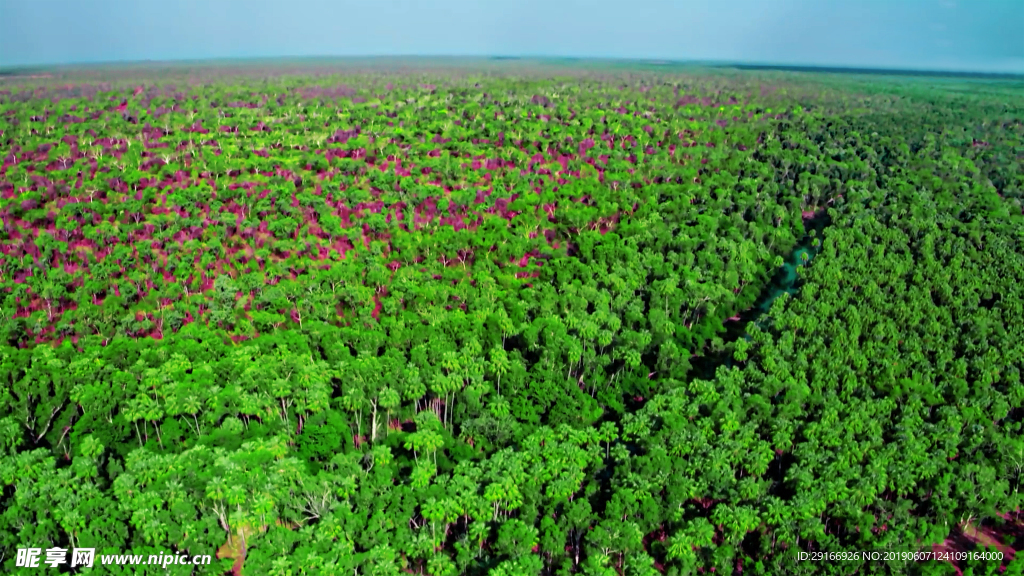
(512, 321)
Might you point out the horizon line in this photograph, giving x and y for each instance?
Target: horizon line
(740, 64)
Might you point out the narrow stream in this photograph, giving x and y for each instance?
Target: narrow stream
(785, 281)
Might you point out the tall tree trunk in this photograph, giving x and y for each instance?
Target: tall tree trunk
(158, 438)
(373, 431)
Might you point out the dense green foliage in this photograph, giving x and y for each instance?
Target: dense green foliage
(512, 324)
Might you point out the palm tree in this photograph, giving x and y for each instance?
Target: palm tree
(133, 413)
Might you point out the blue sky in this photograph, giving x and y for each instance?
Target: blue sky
(969, 35)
